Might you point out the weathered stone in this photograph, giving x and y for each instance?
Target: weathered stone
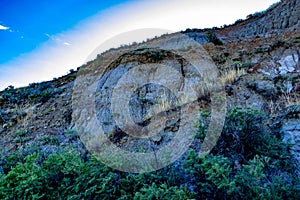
(288, 64)
(283, 16)
(291, 132)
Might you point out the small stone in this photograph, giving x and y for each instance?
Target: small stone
(156, 138)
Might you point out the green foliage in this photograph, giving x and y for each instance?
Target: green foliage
(41, 92)
(58, 176)
(163, 192)
(23, 181)
(217, 170)
(21, 136)
(278, 44)
(242, 65)
(255, 181)
(202, 124)
(245, 135)
(238, 21)
(248, 162)
(214, 176)
(213, 38)
(21, 133)
(250, 179)
(48, 139)
(93, 180)
(10, 161)
(151, 53)
(8, 118)
(211, 173)
(9, 95)
(68, 176)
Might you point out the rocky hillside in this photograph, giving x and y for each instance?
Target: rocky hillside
(257, 62)
(279, 18)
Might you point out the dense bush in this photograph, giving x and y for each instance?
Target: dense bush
(58, 176)
(163, 192)
(249, 161)
(245, 134)
(216, 177)
(69, 176)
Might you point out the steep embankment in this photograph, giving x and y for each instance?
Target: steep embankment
(280, 18)
(257, 61)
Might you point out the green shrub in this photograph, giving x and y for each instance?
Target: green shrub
(10, 161)
(163, 192)
(250, 180)
(259, 178)
(202, 124)
(211, 174)
(21, 136)
(60, 176)
(93, 180)
(245, 134)
(255, 181)
(250, 161)
(23, 181)
(213, 38)
(49, 139)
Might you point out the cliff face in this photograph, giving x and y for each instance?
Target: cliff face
(283, 17)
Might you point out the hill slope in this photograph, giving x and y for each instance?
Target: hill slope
(256, 60)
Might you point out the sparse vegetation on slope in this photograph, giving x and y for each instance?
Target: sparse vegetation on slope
(257, 153)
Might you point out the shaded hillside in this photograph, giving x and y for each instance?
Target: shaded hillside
(257, 155)
(281, 17)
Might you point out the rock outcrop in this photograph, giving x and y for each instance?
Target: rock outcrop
(282, 17)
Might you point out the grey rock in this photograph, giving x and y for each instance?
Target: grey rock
(284, 16)
(288, 64)
(291, 132)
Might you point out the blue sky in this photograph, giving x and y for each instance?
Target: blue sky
(31, 22)
(43, 39)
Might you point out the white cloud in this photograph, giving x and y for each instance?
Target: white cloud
(67, 43)
(3, 27)
(59, 39)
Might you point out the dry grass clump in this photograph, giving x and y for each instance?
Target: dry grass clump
(231, 75)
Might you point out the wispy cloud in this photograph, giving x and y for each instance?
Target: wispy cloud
(57, 39)
(67, 43)
(4, 28)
